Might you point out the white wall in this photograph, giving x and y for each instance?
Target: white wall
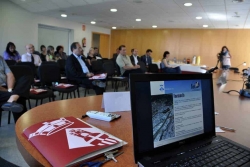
(21, 27)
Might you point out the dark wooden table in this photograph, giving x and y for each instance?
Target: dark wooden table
(234, 112)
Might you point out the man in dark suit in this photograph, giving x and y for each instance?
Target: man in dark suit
(147, 57)
(78, 71)
(134, 57)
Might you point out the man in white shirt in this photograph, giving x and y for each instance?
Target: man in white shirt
(30, 57)
(124, 62)
(134, 57)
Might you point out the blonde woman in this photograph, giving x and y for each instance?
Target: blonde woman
(50, 54)
(91, 57)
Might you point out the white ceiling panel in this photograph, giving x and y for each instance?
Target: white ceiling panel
(163, 13)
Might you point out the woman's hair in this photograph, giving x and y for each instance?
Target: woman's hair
(58, 48)
(91, 49)
(223, 48)
(8, 49)
(41, 47)
(165, 54)
(49, 50)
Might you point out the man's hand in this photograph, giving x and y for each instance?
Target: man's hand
(3, 89)
(90, 74)
(137, 66)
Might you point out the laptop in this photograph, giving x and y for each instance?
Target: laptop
(174, 123)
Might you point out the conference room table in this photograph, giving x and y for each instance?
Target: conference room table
(234, 112)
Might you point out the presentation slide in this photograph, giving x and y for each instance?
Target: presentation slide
(177, 111)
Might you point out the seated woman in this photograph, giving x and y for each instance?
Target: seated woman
(166, 67)
(91, 57)
(50, 54)
(10, 53)
(43, 54)
(59, 53)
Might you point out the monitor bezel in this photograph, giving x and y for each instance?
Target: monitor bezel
(164, 77)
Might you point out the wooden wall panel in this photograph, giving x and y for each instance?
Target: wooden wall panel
(104, 45)
(185, 43)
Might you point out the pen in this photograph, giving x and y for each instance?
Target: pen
(227, 129)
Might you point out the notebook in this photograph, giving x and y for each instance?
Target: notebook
(174, 123)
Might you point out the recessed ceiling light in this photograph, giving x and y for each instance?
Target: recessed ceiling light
(205, 25)
(92, 22)
(113, 10)
(154, 26)
(113, 27)
(23, 0)
(188, 4)
(63, 15)
(198, 17)
(137, 19)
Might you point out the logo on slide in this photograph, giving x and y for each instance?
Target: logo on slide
(162, 88)
(195, 85)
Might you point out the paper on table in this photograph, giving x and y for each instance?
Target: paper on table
(116, 101)
(219, 130)
(216, 113)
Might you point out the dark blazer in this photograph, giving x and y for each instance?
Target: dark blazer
(143, 59)
(74, 69)
(133, 60)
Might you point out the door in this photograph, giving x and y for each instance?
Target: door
(101, 40)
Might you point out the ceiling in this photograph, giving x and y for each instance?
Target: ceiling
(163, 13)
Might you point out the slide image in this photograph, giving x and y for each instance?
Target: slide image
(162, 117)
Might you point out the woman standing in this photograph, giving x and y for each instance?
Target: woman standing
(50, 54)
(43, 53)
(10, 53)
(166, 67)
(225, 58)
(91, 57)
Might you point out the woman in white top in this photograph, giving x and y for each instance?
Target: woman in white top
(225, 58)
(166, 67)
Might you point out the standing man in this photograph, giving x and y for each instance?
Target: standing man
(134, 57)
(124, 62)
(78, 71)
(30, 56)
(97, 54)
(147, 57)
(13, 94)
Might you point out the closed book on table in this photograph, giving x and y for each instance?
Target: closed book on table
(68, 141)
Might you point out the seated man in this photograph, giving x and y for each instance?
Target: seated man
(13, 96)
(77, 70)
(30, 56)
(97, 54)
(124, 62)
(147, 57)
(134, 57)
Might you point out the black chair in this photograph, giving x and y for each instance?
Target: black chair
(50, 74)
(119, 78)
(153, 68)
(62, 64)
(21, 70)
(97, 66)
(33, 69)
(109, 68)
(143, 66)
(10, 62)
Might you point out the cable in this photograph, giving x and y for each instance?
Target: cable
(231, 91)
